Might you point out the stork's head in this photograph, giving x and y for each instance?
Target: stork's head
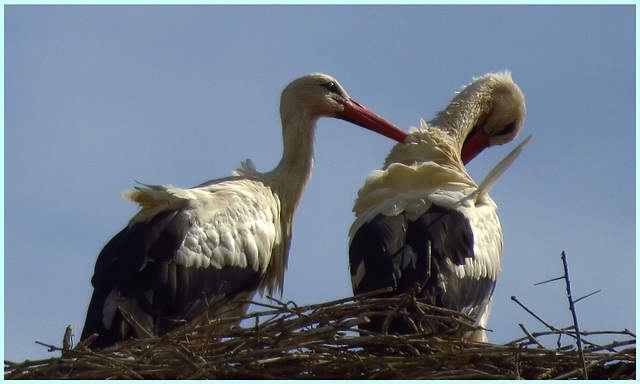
(316, 94)
(489, 111)
(498, 113)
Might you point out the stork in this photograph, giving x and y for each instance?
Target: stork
(422, 222)
(188, 252)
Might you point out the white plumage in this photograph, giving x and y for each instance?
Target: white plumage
(421, 221)
(188, 252)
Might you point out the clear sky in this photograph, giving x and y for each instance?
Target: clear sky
(97, 97)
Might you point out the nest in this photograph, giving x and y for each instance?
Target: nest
(322, 341)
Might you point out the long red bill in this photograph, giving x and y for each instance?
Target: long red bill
(357, 113)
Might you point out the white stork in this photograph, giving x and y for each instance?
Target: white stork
(422, 222)
(187, 252)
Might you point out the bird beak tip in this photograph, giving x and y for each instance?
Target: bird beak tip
(358, 114)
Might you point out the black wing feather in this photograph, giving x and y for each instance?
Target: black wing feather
(159, 294)
(401, 254)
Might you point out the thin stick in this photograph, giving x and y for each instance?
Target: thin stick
(548, 281)
(585, 296)
(572, 307)
(51, 347)
(551, 327)
(530, 336)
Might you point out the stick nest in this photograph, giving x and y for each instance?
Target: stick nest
(321, 341)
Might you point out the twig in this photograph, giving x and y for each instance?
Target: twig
(51, 347)
(585, 296)
(142, 330)
(531, 338)
(551, 327)
(548, 281)
(572, 308)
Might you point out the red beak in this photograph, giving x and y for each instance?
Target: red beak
(474, 144)
(358, 114)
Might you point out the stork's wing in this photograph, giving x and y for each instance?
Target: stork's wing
(197, 249)
(394, 251)
(430, 253)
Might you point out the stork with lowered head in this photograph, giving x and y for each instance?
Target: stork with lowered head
(423, 223)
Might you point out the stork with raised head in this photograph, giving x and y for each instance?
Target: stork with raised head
(188, 252)
(422, 222)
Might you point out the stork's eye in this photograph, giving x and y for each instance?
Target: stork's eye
(509, 128)
(331, 86)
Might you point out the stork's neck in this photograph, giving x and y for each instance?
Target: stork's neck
(465, 110)
(290, 176)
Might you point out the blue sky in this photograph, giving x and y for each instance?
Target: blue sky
(97, 97)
